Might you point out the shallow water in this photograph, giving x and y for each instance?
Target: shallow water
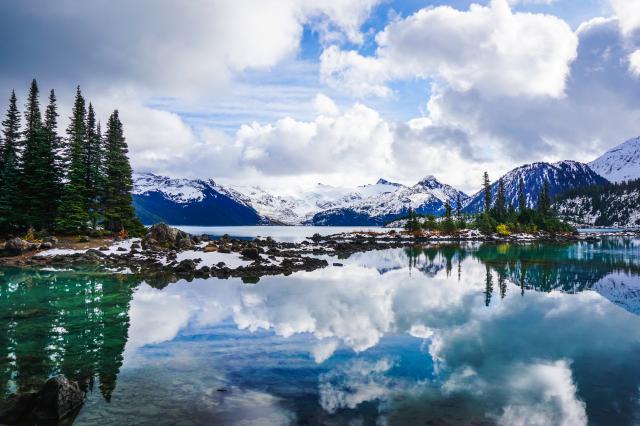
(449, 334)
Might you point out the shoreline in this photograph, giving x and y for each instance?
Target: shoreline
(167, 254)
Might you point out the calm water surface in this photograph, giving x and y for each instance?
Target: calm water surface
(474, 334)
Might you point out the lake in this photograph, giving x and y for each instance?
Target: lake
(445, 334)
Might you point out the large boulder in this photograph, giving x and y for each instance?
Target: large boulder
(164, 236)
(58, 399)
(16, 246)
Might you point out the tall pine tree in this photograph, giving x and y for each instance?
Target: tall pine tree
(118, 207)
(93, 157)
(33, 177)
(501, 199)
(486, 184)
(522, 200)
(73, 214)
(9, 168)
(53, 173)
(544, 201)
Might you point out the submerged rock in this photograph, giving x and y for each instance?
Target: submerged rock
(58, 399)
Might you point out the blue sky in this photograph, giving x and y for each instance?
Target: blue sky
(286, 93)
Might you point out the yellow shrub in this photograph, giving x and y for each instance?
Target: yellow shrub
(503, 229)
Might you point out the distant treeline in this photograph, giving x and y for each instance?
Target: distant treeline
(70, 184)
(608, 205)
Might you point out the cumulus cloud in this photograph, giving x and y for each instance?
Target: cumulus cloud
(487, 48)
(162, 45)
(628, 12)
(634, 63)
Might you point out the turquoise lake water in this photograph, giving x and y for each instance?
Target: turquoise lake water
(448, 334)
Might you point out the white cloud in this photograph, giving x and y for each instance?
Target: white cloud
(628, 12)
(634, 63)
(487, 48)
(324, 105)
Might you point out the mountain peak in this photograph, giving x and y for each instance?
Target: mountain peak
(383, 181)
(429, 182)
(620, 163)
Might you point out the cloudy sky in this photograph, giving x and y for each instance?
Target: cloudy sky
(287, 93)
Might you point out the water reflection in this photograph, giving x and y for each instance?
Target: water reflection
(491, 334)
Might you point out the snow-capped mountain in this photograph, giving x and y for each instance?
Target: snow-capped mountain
(425, 197)
(621, 163)
(294, 210)
(189, 202)
(204, 202)
(561, 177)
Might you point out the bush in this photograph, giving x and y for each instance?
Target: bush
(503, 229)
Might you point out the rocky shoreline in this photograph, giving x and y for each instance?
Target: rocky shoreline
(166, 254)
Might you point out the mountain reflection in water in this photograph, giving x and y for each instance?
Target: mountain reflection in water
(447, 334)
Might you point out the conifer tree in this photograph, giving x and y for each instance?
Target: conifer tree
(522, 201)
(52, 160)
(501, 199)
(33, 179)
(93, 157)
(544, 202)
(458, 207)
(486, 183)
(73, 208)
(447, 209)
(118, 206)
(9, 167)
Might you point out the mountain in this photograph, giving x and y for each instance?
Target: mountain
(425, 197)
(562, 176)
(189, 202)
(621, 163)
(602, 205)
(296, 210)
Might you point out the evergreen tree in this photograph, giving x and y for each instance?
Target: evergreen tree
(522, 201)
(93, 157)
(9, 167)
(486, 184)
(118, 206)
(501, 200)
(544, 202)
(447, 210)
(33, 176)
(52, 161)
(458, 207)
(73, 208)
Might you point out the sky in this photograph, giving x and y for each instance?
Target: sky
(285, 94)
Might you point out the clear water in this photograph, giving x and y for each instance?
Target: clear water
(474, 334)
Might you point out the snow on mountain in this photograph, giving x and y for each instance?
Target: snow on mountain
(293, 210)
(425, 197)
(620, 163)
(561, 177)
(189, 202)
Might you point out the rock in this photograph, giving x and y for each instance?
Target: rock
(58, 399)
(221, 264)
(209, 248)
(46, 245)
(164, 236)
(94, 252)
(84, 239)
(121, 249)
(316, 238)
(51, 239)
(16, 246)
(250, 253)
(337, 264)
(136, 246)
(224, 249)
(104, 248)
(205, 237)
(186, 266)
